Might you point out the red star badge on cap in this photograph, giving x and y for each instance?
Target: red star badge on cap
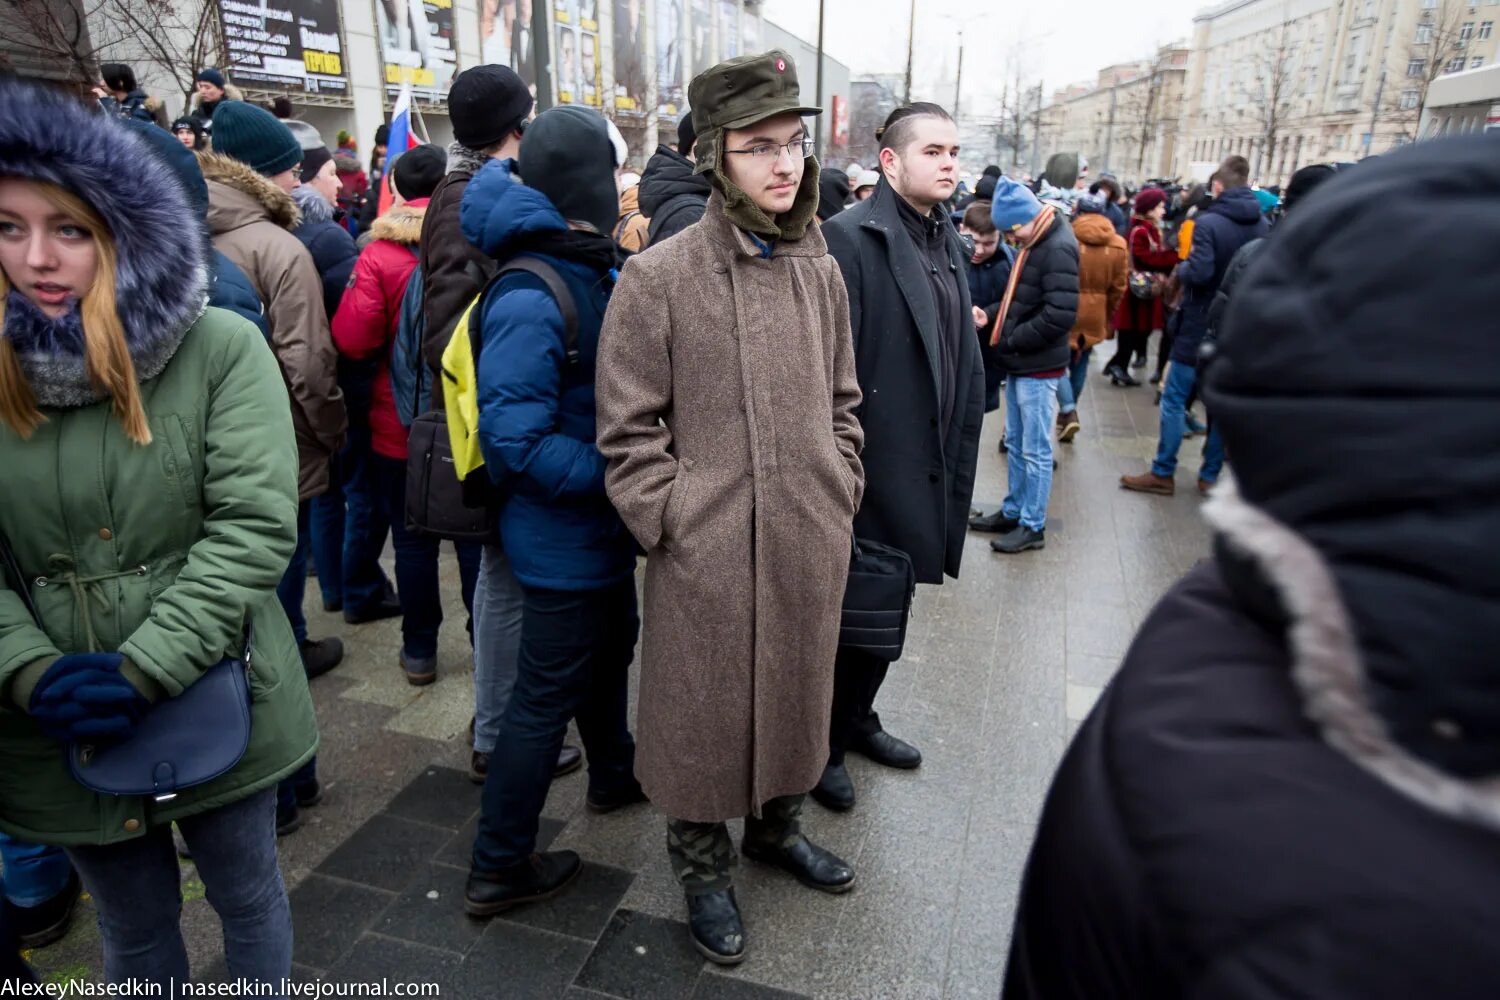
(781, 65)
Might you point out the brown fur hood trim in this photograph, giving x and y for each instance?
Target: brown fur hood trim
(1327, 667)
(402, 224)
(277, 204)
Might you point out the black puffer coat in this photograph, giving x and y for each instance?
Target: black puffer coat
(1292, 786)
(672, 196)
(1042, 311)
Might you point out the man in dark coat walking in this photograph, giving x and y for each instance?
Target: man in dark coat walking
(1290, 787)
(673, 194)
(923, 384)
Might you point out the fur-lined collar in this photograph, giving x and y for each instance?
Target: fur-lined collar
(402, 224)
(257, 197)
(462, 158)
(312, 205)
(1327, 666)
(161, 277)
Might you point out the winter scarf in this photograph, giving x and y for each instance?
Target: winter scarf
(1042, 228)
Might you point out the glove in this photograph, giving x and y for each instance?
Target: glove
(83, 697)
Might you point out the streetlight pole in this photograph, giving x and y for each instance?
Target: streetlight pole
(541, 50)
(818, 120)
(959, 82)
(1375, 113)
(911, 37)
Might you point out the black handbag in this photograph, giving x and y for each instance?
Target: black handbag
(877, 600)
(181, 742)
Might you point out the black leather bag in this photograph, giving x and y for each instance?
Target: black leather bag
(877, 600)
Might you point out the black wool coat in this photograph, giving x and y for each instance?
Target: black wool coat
(918, 481)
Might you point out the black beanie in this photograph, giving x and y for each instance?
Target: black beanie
(686, 135)
(1303, 181)
(312, 161)
(487, 103)
(567, 155)
(418, 171)
(210, 75)
(383, 135)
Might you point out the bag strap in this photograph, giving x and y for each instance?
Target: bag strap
(15, 579)
(558, 288)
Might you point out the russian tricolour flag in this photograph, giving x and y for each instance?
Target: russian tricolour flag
(401, 139)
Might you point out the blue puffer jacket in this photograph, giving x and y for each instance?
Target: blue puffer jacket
(1225, 224)
(231, 290)
(536, 412)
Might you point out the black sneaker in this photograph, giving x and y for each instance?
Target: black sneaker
(996, 522)
(288, 821)
(47, 922)
(321, 655)
(538, 877)
(598, 803)
(569, 759)
(387, 607)
(1023, 539)
(309, 793)
(479, 767)
(715, 926)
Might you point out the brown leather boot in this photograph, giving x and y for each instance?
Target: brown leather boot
(1149, 482)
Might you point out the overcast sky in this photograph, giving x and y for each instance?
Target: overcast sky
(1059, 43)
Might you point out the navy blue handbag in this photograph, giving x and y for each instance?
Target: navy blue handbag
(182, 741)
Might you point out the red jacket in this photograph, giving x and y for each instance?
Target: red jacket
(365, 324)
(1147, 253)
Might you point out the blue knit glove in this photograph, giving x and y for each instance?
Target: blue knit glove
(83, 697)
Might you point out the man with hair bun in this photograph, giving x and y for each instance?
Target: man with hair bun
(919, 368)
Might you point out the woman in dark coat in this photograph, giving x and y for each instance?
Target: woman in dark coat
(1135, 319)
(1292, 786)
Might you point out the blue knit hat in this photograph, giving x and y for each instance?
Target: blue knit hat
(255, 137)
(210, 75)
(1013, 204)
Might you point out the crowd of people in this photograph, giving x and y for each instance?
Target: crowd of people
(217, 364)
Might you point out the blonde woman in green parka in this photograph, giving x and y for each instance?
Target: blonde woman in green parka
(149, 496)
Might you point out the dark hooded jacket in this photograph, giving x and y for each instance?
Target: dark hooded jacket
(672, 196)
(833, 191)
(1292, 786)
(1044, 307)
(332, 248)
(453, 269)
(1221, 228)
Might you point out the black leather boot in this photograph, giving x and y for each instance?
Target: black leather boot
(538, 877)
(813, 866)
(835, 790)
(715, 926)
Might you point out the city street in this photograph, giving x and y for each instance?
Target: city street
(1000, 668)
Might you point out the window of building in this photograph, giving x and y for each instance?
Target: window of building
(1485, 29)
(1466, 31)
(1476, 62)
(1429, 4)
(1416, 67)
(1409, 100)
(1456, 64)
(1424, 34)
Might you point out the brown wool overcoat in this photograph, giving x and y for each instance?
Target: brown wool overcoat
(726, 398)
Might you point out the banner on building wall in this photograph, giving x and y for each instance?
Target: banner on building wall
(417, 46)
(632, 61)
(729, 28)
(577, 56)
(505, 37)
(670, 66)
(840, 120)
(701, 36)
(285, 44)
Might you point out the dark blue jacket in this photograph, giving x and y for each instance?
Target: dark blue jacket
(231, 290)
(536, 411)
(987, 290)
(332, 248)
(1222, 227)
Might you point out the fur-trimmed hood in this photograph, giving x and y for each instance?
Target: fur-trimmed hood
(238, 196)
(462, 158)
(402, 224)
(161, 277)
(312, 205)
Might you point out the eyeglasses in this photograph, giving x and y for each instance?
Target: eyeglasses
(798, 148)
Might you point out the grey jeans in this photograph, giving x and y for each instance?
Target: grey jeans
(136, 888)
(497, 644)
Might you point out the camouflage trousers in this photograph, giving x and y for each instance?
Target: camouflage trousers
(703, 856)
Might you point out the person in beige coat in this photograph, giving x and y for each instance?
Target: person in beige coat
(726, 399)
(251, 216)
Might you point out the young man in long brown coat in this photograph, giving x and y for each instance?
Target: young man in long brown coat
(726, 398)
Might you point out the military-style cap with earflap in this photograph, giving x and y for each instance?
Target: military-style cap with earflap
(737, 94)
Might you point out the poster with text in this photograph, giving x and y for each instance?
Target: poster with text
(631, 58)
(417, 46)
(671, 86)
(702, 36)
(285, 44)
(729, 28)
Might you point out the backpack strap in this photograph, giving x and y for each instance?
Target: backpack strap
(559, 289)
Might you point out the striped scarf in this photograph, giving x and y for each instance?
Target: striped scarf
(1042, 227)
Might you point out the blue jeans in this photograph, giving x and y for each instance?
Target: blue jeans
(136, 889)
(417, 563)
(31, 874)
(498, 604)
(349, 529)
(576, 648)
(1070, 389)
(1030, 412)
(293, 586)
(1174, 397)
